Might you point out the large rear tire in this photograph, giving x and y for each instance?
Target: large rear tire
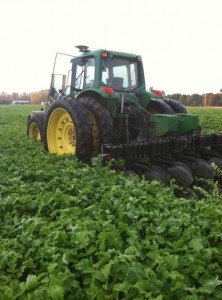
(176, 106)
(102, 123)
(68, 129)
(159, 107)
(35, 125)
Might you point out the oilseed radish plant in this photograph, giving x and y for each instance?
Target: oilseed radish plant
(73, 231)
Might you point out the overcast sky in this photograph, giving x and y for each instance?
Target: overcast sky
(180, 41)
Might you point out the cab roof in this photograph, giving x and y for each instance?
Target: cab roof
(98, 53)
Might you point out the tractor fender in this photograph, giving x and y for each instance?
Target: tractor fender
(107, 100)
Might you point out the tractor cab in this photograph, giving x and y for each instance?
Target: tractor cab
(101, 68)
(109, 75)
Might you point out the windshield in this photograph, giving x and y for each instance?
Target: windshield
(120, 73)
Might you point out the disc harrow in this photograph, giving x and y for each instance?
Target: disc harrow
(187, 159)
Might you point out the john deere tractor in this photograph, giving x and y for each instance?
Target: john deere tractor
(103, 107)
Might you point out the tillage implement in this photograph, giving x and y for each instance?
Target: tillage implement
(101, 107)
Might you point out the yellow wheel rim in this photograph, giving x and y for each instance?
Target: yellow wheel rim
(95, 131)
(34, 132)
(61, 133)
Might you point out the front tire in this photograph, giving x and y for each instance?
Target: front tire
(68, 130)
(35, 126)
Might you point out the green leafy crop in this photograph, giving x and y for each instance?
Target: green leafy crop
(71, 231)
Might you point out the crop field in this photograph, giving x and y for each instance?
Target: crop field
(73, 231)
(210, 118)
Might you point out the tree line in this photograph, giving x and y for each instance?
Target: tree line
(6, 98)
(39, 97)
(34, 98)
(208, 99)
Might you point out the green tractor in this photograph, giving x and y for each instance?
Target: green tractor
(103, 108)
